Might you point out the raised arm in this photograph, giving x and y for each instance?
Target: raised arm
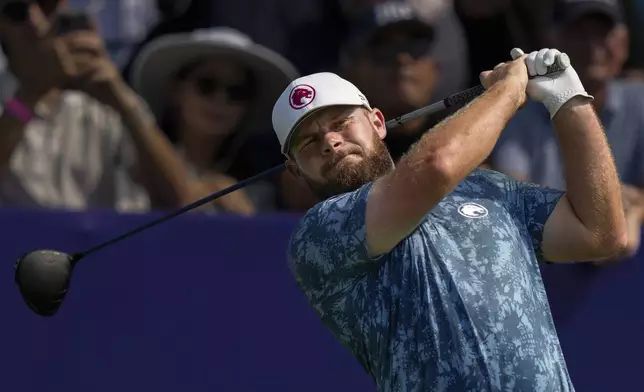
(588, 223)
(443, 158)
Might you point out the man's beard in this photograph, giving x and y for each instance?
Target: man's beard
(349, 176)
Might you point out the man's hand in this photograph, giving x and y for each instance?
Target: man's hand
(553, 90)
(42, 61)
(94, 73)
(632, 197)
(511, 72)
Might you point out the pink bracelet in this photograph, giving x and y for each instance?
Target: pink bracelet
(17, 109)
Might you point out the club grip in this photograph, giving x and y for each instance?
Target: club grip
(562, 62)
(463, 97)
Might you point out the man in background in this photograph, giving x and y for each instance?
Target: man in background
(388, 56)
(73, 135)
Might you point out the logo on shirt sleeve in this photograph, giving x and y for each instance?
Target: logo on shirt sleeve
(472, 210)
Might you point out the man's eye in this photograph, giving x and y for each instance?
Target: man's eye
(343, 124)
(306, 143)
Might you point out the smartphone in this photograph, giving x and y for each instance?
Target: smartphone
(70, 21)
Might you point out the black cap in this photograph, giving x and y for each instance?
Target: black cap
(571, 10)
(381, 15)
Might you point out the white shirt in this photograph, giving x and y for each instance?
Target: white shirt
(77, 158)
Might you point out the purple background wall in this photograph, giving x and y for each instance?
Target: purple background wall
(208, 304)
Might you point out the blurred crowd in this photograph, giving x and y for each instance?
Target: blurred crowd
(139, 105)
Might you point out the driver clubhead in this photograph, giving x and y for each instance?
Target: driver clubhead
(43, 279)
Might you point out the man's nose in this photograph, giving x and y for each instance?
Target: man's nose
(332, 141)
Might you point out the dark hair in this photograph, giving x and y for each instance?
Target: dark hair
(232, 143)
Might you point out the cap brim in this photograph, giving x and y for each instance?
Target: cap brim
(293, 131)
(361, 37)
(157, 64)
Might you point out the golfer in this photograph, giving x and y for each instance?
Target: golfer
(428, 270)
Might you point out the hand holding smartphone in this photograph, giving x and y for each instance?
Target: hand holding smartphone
(69, 21)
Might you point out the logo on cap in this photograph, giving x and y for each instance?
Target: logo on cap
(301, 96)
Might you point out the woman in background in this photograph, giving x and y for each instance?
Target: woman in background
(212, 92)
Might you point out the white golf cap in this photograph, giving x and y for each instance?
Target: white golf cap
(306, 95)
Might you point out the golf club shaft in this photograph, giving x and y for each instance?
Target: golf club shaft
(186, 208)
(460, 98)
(469, 94)
(79, 255)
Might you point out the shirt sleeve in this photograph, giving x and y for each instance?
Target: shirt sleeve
(328, 251)
(533, 205)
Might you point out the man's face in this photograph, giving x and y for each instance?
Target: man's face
(592, 45)
(339, 149)
(394, 69)
(26, 21)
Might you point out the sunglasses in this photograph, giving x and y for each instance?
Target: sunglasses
(17, 11)
(208, 86)
(417, 48)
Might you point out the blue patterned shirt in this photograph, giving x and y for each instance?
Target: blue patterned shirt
(458, 305)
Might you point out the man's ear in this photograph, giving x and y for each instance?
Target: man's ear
(378, 121)
(292, 168)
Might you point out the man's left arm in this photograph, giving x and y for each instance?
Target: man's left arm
(588, 221)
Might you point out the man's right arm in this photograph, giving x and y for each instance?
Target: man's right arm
(12, 130)
(437, 164)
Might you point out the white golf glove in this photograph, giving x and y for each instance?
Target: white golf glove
(552, 90)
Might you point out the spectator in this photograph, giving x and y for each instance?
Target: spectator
(212, 91)
(494, 27)
(72, 134)
(450, 46)
(388, 57)
(593, 34)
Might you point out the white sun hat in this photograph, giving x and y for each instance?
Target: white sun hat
(163, 57)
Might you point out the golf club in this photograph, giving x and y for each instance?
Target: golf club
(43, 276)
